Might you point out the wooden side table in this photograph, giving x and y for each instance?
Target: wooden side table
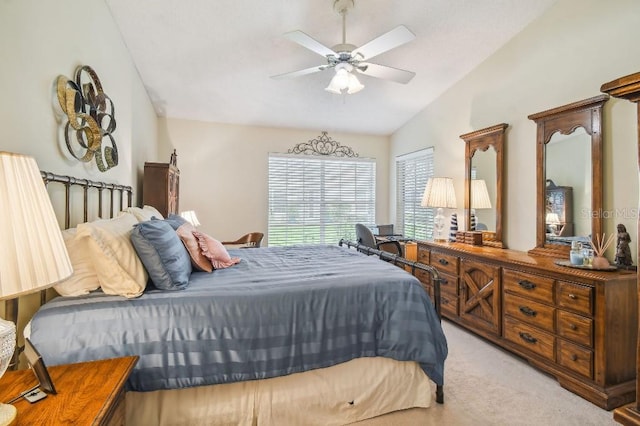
(88, 393)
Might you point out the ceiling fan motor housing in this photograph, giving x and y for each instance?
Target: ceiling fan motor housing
(343, 6)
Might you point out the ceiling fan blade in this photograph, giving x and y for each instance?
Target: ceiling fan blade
(387, 41)
(387, 73)
(300, 72)
(309, 42)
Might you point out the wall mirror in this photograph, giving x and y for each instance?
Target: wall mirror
(483, 191)
(568, 175)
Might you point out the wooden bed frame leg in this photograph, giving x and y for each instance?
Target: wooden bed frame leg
(439, 394)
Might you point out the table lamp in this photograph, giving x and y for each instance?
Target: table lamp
(439, 193)
(33, 255)
(190, 216)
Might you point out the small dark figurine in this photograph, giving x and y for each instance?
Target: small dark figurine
(623, 252)
(174, 159)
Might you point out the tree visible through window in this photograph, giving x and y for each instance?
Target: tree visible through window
(412, 172)
(317, 200)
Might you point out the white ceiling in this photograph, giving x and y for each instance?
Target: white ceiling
(211, 60)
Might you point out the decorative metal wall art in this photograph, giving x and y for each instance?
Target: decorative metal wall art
(323, 145)
(90, 118)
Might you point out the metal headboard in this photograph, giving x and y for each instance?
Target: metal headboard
(69, 181)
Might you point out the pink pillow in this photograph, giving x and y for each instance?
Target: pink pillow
(213, 250)
(198, 260)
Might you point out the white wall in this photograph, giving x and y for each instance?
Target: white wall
(43, 39)
(563, 57)
(224, 170)
(40, 40)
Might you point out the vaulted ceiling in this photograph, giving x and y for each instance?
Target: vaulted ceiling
(212, 60)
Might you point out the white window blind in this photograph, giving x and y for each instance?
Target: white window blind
(316, 200)
(412, 172)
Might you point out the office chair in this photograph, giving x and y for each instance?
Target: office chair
(250, 240)
(365, 237)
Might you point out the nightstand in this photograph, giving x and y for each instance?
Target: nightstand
(89, 393)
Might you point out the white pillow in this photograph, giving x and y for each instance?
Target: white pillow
(84, 278)
(116, 262)
(145, 213)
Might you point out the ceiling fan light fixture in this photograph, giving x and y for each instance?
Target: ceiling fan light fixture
(354, 84)
(333, 87)
(344, 80)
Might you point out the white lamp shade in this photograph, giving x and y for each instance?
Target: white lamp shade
(190, 216)
(344, 79)
(479, 195)
(354, 84)
(33, 255)
(439, 192)
(552, 218)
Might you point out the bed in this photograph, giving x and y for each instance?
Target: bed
(287, 335)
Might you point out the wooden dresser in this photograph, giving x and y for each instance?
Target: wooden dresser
(578, 325)
(161, 187)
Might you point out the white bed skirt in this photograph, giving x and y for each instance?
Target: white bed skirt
(356, 390)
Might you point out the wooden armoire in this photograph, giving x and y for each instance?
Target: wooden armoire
(161, 187)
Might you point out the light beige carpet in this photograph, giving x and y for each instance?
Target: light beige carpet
(485, 385)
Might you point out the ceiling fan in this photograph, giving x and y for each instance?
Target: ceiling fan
(347, 59)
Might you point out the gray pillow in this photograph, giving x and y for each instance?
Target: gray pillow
(175, 221)
(162, 253)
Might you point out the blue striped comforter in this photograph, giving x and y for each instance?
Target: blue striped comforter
(281, 310)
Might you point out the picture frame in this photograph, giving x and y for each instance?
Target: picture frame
(39, 368)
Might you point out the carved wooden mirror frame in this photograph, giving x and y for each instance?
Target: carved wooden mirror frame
(482, 140)
(566, 119)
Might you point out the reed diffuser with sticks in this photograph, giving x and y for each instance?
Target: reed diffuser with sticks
(600, 245)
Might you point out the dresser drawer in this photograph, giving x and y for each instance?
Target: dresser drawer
(449, 284)
(528, 311)
(445, 263)
(423, 255)
(528, 285)
(425, 279)
(578, 298)
(529, 338)
(449, 304)
(575, 358)
(576, 328)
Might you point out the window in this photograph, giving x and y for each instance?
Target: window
(316, 200)
(412, 172)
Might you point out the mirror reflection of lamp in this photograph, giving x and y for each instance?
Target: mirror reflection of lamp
(552, 220)
(190, 216)
(440, 194)
(479, 196)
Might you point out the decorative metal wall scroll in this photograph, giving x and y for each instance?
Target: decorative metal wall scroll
(323, 145)
(90, 116)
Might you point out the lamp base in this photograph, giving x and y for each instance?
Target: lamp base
(8, 414)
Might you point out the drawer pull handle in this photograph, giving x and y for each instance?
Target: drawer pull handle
(572, 296)
(527, 337)
(444, 282)
(443, 262)
(527, 285)
(573, 326)
(574, 357)
(528, 311)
